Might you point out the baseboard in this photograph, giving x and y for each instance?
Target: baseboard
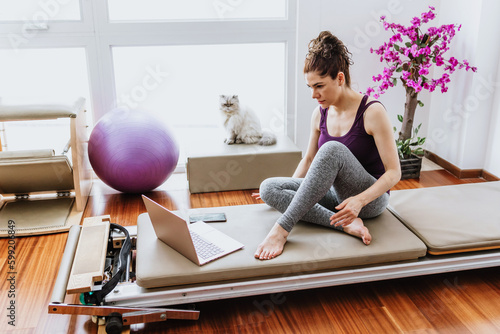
(458, 172)
(489, 177)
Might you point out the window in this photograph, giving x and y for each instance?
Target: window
(186, 97)
(175, 10)
(54, 75)
(110, 47)
(35, 11)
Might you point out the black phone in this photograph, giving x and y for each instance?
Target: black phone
(208, 217)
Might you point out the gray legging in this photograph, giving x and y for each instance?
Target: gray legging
(334, 175)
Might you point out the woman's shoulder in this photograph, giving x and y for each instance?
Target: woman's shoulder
(374, 115)
(316, 117)
(373, 107)
(371, 101)
(317, 112)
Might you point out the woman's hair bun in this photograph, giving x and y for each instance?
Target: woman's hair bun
(327, 55)
(328, 46)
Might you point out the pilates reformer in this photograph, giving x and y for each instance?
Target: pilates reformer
(41, 190)
(424, 232)
(113, 246)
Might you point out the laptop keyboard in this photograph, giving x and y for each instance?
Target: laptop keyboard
(204, 249)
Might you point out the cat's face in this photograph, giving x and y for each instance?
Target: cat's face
(229, 104)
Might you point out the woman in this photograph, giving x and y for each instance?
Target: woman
(351, 161)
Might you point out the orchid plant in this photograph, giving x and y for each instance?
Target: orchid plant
(410, 54)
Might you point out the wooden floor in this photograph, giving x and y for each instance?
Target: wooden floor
(463, 302)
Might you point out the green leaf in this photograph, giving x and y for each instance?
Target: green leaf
(400, 118)
(420, 103)
(396, 47)
(395, 81)
(419, 151)
(399, 69)
(408, 44)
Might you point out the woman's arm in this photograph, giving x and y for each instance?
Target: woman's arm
(378, 125)
(312, 148)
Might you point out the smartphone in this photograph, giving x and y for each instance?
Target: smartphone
(208, 217)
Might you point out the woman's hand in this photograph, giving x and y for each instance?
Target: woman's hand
(348, 211)
(256, 195)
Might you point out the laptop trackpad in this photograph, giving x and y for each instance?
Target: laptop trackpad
(214, 236)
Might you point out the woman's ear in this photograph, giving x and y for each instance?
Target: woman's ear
(341, 78)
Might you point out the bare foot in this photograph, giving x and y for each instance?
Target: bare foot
(273, 244)
(358, 229)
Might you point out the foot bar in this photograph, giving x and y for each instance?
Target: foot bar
(59, 291)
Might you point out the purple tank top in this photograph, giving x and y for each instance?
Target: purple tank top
(360, 143)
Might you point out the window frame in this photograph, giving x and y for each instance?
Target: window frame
(84, 25)
(98, 35)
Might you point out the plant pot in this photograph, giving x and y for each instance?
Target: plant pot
(410, 167)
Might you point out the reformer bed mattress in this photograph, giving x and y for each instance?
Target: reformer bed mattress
(439, 220)
(310, 248)
(452, 219)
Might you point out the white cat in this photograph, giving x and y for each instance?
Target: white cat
(241, 123)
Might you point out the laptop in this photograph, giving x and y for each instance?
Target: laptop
(199, 242)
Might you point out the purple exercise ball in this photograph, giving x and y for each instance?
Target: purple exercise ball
(131, 151)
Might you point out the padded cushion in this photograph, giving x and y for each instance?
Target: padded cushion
(309, 248)
(452, 219)
(40, 111)
(37, 214)
(27, 154)
(216, 166)
(22, 176)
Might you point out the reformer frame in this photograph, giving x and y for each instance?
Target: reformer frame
(134, 304)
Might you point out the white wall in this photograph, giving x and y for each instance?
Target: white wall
(461, 123)
(492, 163)
(468, 142)
(357, 24)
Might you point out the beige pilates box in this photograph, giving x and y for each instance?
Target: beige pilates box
(225, 167)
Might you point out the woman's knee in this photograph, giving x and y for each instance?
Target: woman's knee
(333, 147)
(268, 187)
(273, 189)
(330, 154)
